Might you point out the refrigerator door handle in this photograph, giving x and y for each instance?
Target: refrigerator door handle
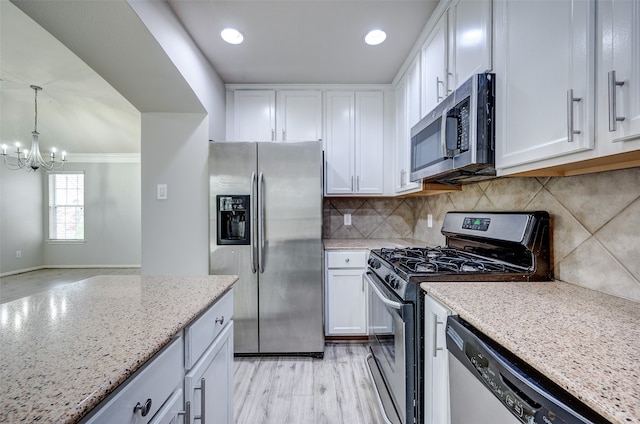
(261, 222)
(253, 235)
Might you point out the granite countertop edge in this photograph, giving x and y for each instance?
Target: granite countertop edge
(541, 334)
(54, 400)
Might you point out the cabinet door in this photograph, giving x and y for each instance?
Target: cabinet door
(214, 371)
(469, 40)
(340, 142)
(254, 115)
(436, 390)
(369, 139)
(299, 115)
(619, 32)
(538, 117)
(407, 115)
(346, 302)
(434, 66)
(172, 412)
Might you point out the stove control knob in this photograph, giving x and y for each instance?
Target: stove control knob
(374, 263)
(391, 280)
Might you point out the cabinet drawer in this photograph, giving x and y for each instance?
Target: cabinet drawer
(152, 386)
(347, 259)
(200, 334)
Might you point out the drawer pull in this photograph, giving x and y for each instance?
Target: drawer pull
(220, 320)
(347, 260)
(144, 409)
(203, 398)
(186, 413)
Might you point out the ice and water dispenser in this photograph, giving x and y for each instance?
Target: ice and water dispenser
(233, 219)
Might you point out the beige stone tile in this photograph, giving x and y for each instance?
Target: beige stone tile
(440, 205)
(384, 206)
(621, 236)
(594, 199)
(347, 231)
(592, 266)
(366, 219)
(466, 199)
(336, 220)
(347, 204)
(512, 194)
(402, 220)
(568, 233)
(385, 230)
(484, 204)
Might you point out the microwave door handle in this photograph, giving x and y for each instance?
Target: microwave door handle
(451, 151)
(443, 134)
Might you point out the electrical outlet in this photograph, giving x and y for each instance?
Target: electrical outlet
(429, 220)
(347, 219)
(18, 254)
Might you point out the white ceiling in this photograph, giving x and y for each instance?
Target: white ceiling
(305, 41)
(286, 41)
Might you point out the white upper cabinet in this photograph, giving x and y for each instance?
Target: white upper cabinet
(269, 115)
(354, 142)
(407, 115)
(545, 67)
(469, 40)
(299, 115)
(434, 67)
(618, 76)
(458, 47)
(254, 115)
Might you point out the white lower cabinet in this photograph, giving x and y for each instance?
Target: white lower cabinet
(209, 385)
(436, 363)
(189, 380)
(346, 294)
(142, 396)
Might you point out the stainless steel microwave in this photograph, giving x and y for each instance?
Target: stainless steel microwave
(455, 142)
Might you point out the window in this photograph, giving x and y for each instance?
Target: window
(66, 206)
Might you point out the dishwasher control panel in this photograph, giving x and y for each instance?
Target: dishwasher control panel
(528, 395)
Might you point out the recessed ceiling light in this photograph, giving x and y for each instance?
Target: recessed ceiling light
(231, 36)
(375, 37)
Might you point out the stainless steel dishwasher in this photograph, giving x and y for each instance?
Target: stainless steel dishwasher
(489, 385)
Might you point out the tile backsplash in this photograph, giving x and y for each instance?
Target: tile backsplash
(595, 219)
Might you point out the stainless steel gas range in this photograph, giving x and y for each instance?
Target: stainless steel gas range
(492, 246)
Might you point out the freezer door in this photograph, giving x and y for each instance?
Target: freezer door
(290, 288)
(232, 166)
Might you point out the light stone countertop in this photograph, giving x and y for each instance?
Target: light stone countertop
(64, 350)
(369, 244)
(585, 341)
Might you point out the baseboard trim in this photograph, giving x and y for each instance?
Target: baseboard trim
(36, 268)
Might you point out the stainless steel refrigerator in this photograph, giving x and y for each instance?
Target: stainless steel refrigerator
(266, 227)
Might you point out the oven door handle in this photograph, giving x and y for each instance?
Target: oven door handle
(381, 296)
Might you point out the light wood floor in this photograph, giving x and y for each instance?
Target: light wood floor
(267, 389)
(15, 286)
(293, 390)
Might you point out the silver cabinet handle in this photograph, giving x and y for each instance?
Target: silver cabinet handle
(449, 90)
(358, 183)
(435, 335)
(347, 260)
(273, 135)
(438, 82)
(144, 409)
(613, 116)
(186, 413)
(284, 135)
(261, 223)
(202, 415)
(352, 190)
(220, 320)
(252, 252)
(570, 101)
(402, 178)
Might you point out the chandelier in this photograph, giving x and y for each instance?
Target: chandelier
(31, 159)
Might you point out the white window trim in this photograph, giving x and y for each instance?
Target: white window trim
(63, 241)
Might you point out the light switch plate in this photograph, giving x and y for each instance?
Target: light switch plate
(162, 192)
(347, 219)
(429, 220)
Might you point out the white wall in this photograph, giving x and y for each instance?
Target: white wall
(21, 219)
(112, 219)
(175, 236)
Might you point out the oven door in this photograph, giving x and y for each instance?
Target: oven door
(391, 340)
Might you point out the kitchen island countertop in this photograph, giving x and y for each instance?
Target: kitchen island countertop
(585, 341)
(369, 244)
(64, 350)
